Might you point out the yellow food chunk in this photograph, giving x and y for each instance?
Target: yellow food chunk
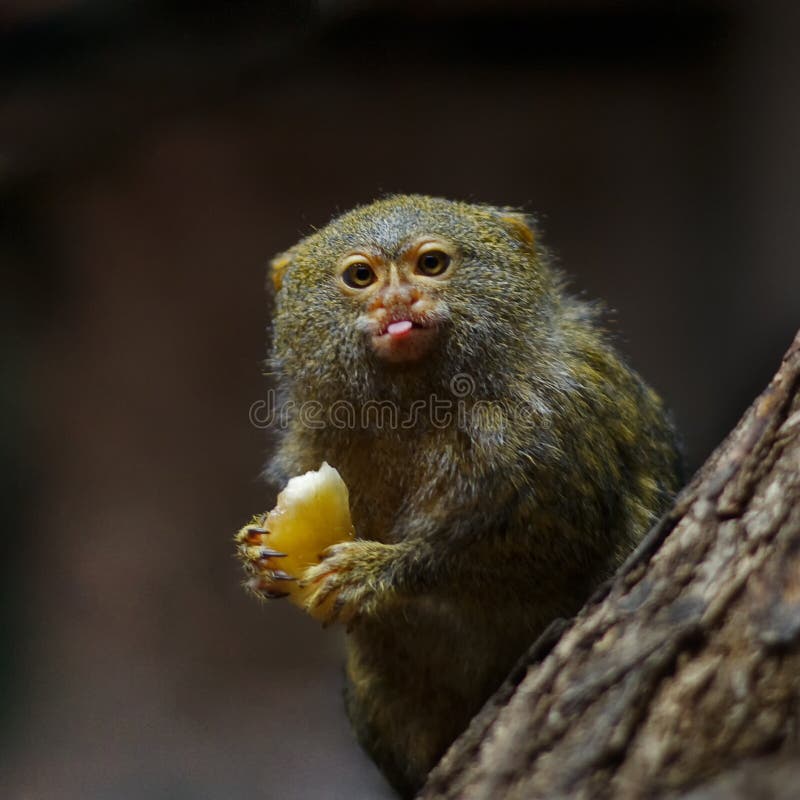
(313, 513)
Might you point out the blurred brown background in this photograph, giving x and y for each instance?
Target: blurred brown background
(153, 156)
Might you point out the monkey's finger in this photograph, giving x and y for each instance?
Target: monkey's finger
(260, 560)
(251, 534)
(346, 610)
(316, 574)
(331, 585)
(264, 588)
(334, 550)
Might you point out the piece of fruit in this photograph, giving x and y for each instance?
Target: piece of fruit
(313, 513)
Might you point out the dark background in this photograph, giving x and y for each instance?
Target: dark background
(153, 156)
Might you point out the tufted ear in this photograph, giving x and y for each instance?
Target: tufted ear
(277, 268)
(520, 226)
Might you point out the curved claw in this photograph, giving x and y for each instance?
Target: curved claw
(251, 534)
(273, 595)
(280, 575)
(256, 529)
(267, 552)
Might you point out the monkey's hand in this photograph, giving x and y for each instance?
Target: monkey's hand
(351, 580)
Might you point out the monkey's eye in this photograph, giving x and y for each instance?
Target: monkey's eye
(433, 263)
(358, 275)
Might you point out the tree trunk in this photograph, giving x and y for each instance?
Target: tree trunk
(681, 677)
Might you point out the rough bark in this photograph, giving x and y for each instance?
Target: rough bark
(681, 677)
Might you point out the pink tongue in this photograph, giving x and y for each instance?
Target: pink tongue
(401, 328)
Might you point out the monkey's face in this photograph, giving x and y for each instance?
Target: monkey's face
(401, 307)
(406, 290)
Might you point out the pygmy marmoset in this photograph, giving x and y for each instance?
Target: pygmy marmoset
(502, 460)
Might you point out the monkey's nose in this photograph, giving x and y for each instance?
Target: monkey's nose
(396, 295)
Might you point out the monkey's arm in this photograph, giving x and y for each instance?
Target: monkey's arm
(361, 576)
(518, 540)
(437, 553)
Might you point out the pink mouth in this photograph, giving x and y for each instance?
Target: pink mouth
(404, 340)
(397, 330)
(402, 328)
